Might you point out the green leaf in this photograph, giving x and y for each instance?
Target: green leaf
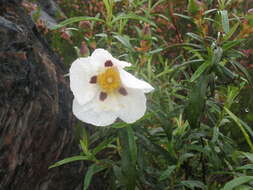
(128, 156)
(68, 160)
(245, 167)
(239, 124)
(199, 71)
(231, 31)
(108, 6)
(185, 45)
(118, 174)
(102, 145)
(157, 3)
(231, 95)
(217, 55)
(167, 173)
(158, 50)
(215, 134)
(243, 70)
(247, 127)
(124, 40)
(249, 156)
(93, 169)
(244, 187)
(192, 7)
(210, 11)
(196, 103)
(84, 141)
(225, 21)
(229, 44)
(183, 16)
(75, 19)
(224, 71)
(237, 181)
(192, 184)
(134, 17)
(184, 157)
(194, 36)
(155, 148)
(249, 17)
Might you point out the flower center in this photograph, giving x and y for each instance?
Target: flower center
(109, 81)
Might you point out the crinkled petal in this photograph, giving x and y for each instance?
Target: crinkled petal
(90, 114)
(109, 104)
(131, 81)
(80, 73)
(100, 56)
(133, 105)
(121, 64)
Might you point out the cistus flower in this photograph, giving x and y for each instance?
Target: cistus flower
(104, 91)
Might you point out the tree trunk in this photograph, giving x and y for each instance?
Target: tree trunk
(36, 122)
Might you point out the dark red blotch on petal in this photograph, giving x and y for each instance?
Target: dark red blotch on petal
(108, 63)
(122, 91)
(93, 80)
(102, 96)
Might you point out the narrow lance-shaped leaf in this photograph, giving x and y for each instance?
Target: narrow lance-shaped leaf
(231, 95)
(75, 19)
(104, 144)
(128, 156)
(239, 124)
(134, 17)
(217, 55)
(225, 21)
(125, 41)
(68, 160)
(199, 71)
(195, 36)
(196, 104)
(232, 31)
(243, 70)
(192, 7)
(167, 173)
(237, 181)
(193, 184)
(249, 156)
(93, 169)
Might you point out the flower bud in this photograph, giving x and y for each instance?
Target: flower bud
(85, 24)
(84, 51)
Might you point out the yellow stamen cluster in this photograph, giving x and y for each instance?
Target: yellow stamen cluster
(109, 80)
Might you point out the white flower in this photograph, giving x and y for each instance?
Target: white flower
(104, 91)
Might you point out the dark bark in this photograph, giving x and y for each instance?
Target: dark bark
(36, 122)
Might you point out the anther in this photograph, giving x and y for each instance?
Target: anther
(93, 80)
(122, 91)
(102, 96)
(108, 63)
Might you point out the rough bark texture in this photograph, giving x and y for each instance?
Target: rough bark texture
(35, 109)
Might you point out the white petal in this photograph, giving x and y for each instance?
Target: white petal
(131, 81)
(121, 64)
(133, 105)
(90, 114)
(81, 72)
(109, 104)
(100, 56)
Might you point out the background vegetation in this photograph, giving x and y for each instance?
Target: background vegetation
(197, 132)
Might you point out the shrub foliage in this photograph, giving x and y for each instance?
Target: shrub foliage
(197, 132)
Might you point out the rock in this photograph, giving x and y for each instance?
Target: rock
(50, 7)
(45, 18)
(36, 121)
